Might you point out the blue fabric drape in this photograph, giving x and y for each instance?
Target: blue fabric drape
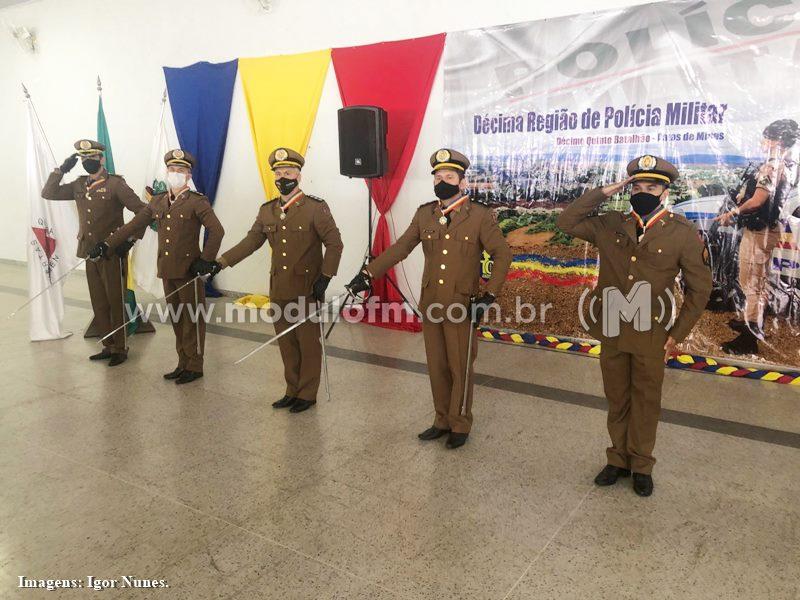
(200, 96)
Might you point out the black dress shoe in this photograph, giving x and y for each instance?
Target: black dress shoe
(609, 475)
(104, 355)
(642, 484)
(188, 376)
(456, 440)
(433, 433)
(300, 405)
(284, 402)
(117, 359)
(174, 374)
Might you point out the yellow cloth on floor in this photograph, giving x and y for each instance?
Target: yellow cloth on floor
(253, 301)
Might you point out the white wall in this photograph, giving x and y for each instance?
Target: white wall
(127, 42)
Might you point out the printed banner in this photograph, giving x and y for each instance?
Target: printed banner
(549, 109)
(282, 94)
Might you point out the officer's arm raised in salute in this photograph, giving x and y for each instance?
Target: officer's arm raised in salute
(53, 188)
(575, 219)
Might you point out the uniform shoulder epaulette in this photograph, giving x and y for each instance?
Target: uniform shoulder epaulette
(428, 203)
(270, 201)
(679, 218)
(482, 201)
(310, 197)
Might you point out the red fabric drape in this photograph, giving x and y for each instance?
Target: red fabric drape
(397, 76)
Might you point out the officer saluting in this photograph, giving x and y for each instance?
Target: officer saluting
(100, 199)
(297, 226)
(179, 213)
(650, 245)
(454, 232)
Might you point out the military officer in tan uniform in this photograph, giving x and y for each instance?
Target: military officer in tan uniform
(297, 226)
(100, 199)
(454, 232)
(648, 246)
(179, 214)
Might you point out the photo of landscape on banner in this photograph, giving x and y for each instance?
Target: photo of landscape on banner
(549, 109)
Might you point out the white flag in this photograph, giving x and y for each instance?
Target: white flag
(145, 252)
(52, 239)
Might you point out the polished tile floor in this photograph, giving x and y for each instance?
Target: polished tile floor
(111, 472)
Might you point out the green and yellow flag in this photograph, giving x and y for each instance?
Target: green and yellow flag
(104, 138)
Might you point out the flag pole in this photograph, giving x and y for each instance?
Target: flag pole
(38, 121)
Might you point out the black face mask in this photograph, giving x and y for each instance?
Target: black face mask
(91, 165)
(643, 203)
(286, 185)
(444, 190)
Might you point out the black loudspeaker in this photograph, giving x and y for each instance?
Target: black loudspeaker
(362, 141)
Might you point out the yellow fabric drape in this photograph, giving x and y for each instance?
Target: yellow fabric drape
(282, 95)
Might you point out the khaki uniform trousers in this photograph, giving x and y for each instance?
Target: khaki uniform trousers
(301, 351)
(755, 258)
(185, 303)
(106, 282)
(632, 384)
(446, 350)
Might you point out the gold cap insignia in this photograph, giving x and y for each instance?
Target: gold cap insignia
(281, 154)
(178, 154)
(85, 144)
(647, 162)
(443, 155)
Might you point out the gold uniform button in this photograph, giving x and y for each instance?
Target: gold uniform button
(444, 251)
(181, 216)
(284, 267)
(443, 267)
(284, 241)
(633, 259)
(630, 277)
(429, 237)
(300, 227)
(441, 281)
(283, 226)
(169, 216)
(168, 229)
(88, 222)
(283, 253)
(447, 236)
(166, 253)
(89, 209)
(466, 238)
(306, 270)
(168, 241)
(659, 250)
(90, 233)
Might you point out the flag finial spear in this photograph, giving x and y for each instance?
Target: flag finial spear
(26, 92)
(99, 85)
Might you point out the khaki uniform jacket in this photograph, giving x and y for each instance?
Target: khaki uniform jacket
(670, 246)
(178, 231)
(452, 253)
(99, 209)
(296, 242)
